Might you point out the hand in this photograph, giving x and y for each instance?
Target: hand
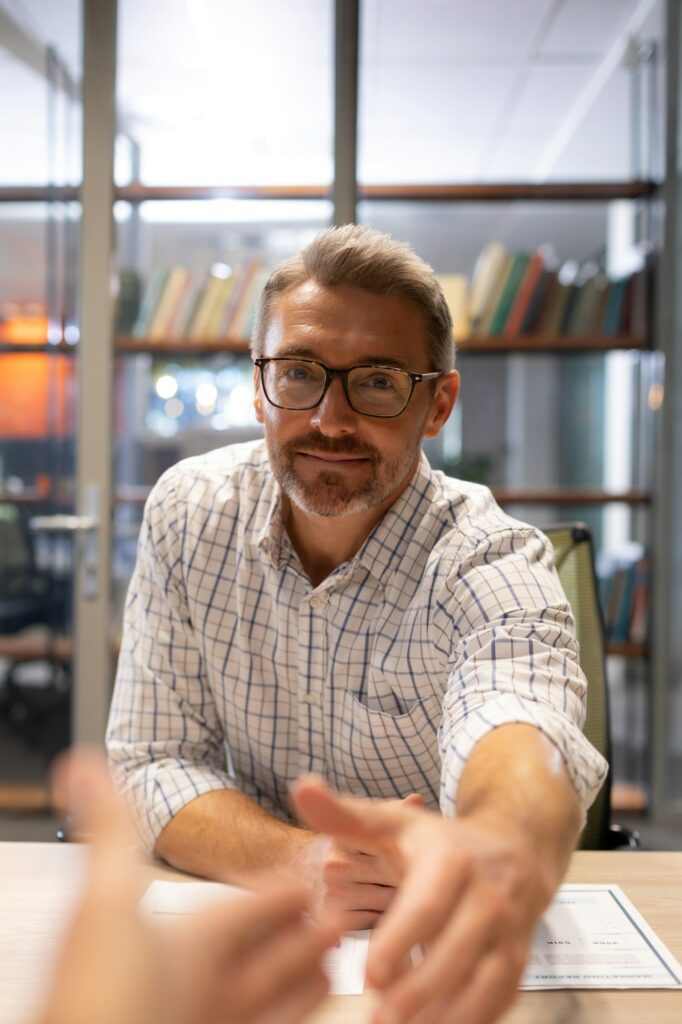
(251, 959)
(353, 881)
(471, 892)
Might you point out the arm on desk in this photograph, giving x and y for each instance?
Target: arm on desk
(226, 836)
(472, 888)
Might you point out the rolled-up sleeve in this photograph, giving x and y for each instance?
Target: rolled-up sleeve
(515, 659)
(164, 739)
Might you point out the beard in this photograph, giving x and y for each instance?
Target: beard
(331, 492)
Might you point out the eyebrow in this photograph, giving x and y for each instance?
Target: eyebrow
(372, 360)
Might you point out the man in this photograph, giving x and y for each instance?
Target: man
(248, 960)
(325, 602)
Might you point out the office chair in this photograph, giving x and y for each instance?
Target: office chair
(29, 597)
(574, 561)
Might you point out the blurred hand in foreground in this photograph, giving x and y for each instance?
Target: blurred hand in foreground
(470, 893)
(250, 960)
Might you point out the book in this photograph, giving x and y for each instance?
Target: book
(516, 272)
(455, 289)
(488, 269)
(152, 294)
(525, 292)
(614, 308)
(540, 299)
(641, 602)
(176, 283)
(197, 328)
(495, 295)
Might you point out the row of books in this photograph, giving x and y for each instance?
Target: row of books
(521, 293)
(180, 304)
(625, 595)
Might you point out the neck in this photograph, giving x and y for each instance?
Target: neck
(324, 542)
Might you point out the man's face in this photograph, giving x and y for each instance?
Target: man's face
(331, 460)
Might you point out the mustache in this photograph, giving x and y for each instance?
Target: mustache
(332, 446)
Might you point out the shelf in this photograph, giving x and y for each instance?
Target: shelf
(28, 496)
(181, 347)
(507, 496)
(24, 798)
(535, 343)
(36, 648)
(9, 348)
(593, 191)
(633, 652)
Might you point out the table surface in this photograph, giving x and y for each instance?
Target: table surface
(39, 883)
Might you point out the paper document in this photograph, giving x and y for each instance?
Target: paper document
(592, 937)
(344, 963)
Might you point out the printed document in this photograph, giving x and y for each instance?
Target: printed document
(591, 936)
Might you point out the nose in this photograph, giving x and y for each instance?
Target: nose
(334, 416)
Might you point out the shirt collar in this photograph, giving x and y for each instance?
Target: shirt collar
(383, 549)
(387, 544)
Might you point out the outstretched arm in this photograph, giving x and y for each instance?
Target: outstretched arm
(472, 888)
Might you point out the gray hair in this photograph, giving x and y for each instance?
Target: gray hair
(361, 257)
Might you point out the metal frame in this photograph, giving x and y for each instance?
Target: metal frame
(346, 51)
(667, 609)
(92, 668)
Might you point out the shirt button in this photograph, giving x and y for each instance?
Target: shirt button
(318, 601)
(309, 698)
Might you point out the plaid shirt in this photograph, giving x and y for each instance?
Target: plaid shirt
(236, 672)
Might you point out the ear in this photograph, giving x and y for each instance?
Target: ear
(257, 395)
(442, 403)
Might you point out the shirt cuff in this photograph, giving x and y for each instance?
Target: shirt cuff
(586, 768)
(155, 792)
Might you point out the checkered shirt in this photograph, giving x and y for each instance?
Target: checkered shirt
(236, 672)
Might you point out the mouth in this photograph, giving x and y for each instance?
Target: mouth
(332, 457)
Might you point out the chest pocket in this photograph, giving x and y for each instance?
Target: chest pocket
(376, 753)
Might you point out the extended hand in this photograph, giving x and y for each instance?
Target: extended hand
(471, 892)
(353, 880)
(250, 960)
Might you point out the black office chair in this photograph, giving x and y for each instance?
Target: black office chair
(574, 561)
(28, 597)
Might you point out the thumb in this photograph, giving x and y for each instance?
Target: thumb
(414, 800)
(369, 822)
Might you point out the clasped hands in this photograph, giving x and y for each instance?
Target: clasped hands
(469, 891)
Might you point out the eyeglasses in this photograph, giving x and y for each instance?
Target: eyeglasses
(382, 391)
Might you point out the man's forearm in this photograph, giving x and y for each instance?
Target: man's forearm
(517, 778)
(226, 836)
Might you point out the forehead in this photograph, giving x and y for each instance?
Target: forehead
(343, 324)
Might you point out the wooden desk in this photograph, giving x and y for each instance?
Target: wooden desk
(40, 881)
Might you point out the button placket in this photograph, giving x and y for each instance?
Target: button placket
(312, 667)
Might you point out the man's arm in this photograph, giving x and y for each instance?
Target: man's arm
(471, 888)
(225, 835)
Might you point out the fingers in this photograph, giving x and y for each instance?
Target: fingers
(492, 988)
(429, 895)
(81, 782)
(452, 958)
(266, 960)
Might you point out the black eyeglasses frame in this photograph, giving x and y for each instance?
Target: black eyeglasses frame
(342, 375)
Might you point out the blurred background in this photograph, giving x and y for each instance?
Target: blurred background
(528, 152)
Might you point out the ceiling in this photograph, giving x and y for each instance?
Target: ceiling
(241, 91)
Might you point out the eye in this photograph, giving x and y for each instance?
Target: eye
(377, 380)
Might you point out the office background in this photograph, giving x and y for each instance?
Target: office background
(538, 130)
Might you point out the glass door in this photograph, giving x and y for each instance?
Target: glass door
(40, 124)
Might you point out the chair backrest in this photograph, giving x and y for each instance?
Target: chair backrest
(574, 560)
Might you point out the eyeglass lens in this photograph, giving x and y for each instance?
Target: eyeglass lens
(374, 391)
